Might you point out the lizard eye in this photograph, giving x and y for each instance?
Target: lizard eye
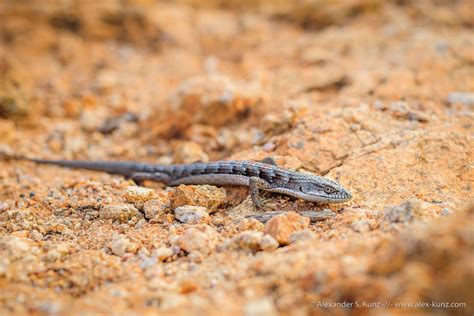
(329, 190)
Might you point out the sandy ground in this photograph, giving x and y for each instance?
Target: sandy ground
(378, 95)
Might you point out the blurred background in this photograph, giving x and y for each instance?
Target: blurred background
(214, 72)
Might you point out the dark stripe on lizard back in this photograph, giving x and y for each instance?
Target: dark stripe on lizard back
(266, 172)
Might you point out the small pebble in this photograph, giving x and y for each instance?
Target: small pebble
(208, 196)
(301, 235)
(247, 240)
(121, 213)
(163, 253)
(155, 208)
(135, 194)
(282, 226)
(191, 214)
(201, 238)
(36, 235)
(361, 226)
(250, 224)
(119, 246)
(268, 243)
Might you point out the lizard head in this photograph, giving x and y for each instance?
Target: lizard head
(323, 190)
(315, 189)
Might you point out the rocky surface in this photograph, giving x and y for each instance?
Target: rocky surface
(282, 226)
(375, 94)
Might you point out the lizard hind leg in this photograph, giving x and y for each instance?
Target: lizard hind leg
(139, 177)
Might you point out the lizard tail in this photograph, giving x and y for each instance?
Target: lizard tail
(126, 168)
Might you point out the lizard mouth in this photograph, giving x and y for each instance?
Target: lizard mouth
(334, 198)
(343, 197)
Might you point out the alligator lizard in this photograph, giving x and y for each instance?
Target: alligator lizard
(264, 175)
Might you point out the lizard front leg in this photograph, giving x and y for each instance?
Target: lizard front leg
(255, 183)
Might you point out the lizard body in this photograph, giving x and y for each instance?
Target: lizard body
(265, 175)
